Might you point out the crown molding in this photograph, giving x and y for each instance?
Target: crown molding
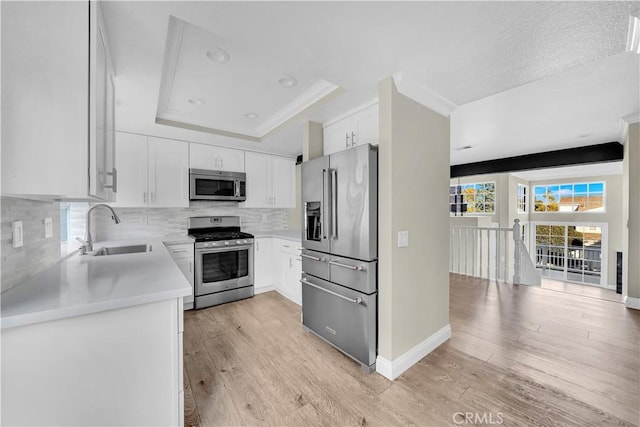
(351, 112)
(317, 92)
(423, 95)
(632, 118)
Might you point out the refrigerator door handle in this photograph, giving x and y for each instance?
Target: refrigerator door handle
(354, 301)
(326, 185)
(315, 258)
(350, 267)
(334, 203)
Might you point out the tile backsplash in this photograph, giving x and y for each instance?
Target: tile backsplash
(37, 252)
(157, 222)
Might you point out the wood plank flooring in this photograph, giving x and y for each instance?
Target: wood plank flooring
(520, 355)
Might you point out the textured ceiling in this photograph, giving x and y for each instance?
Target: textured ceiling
(465, 51)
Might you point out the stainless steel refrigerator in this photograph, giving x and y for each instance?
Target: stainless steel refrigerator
(340, 251)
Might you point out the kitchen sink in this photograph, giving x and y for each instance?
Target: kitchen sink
(119, 250)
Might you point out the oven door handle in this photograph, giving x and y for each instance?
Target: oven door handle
(353, 301)
(236, 185)
(223, 249)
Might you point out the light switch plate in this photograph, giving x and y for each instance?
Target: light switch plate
(403, 239)
(16, 229)
(48, 228)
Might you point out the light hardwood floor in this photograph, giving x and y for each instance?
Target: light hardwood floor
(528, 356)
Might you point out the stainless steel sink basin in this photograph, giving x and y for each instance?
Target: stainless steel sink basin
(120, 250)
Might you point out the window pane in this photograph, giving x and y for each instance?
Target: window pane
(580, 188)
(596, 187)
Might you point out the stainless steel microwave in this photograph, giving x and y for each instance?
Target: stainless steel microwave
(217, 185)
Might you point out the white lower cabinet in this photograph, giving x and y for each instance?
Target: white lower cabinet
(116, 367)
(291, 270)
(262, 265)
(183, 255)
(278, 266)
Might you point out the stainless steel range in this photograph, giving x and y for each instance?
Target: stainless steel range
(223, 260)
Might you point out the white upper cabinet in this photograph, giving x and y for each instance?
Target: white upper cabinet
(359, 126)
(57, 102)
(153, 172)
(168, 173)
(210, 157)
(270, 181)
(131, 158)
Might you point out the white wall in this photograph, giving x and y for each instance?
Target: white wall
(37, 252)
(632, 213)
(413, 281)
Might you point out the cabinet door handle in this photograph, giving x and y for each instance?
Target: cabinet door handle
(177, 251)
(353, 139)
(222, 163)
(190, 270)
(144, 197)
(346, 140)
(114, 180)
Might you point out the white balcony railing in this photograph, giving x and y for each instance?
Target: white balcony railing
(492, 253)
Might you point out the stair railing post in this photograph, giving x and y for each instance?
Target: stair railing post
(516, 251)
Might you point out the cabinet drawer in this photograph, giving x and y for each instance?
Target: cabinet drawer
(181, 250)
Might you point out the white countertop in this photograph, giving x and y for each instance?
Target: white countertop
(177, 238)
(84, 284)
(287, 234)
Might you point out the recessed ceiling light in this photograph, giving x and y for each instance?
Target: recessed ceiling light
(633, 36)
(251, 115)
(287, 81)
(218, 55)
(195, 101)
(465, 147)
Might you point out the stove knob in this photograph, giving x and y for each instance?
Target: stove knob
(245, 241)
(239, 241)
(226, 242)
(213, 244)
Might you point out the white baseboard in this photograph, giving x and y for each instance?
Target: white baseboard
(631, 302)
(393, 369)
(263, 289)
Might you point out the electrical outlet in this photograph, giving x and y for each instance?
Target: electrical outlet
(48, 228)
(18, 238)
(403, 239)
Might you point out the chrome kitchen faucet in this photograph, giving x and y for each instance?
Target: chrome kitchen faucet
(87, 243)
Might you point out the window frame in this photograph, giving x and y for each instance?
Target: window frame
(476, 213)
(522, 206)
(573, 193)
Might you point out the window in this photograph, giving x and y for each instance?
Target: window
(571, 252)
(64, 222)
(587, 197)
(523, 191)
(480, 198)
